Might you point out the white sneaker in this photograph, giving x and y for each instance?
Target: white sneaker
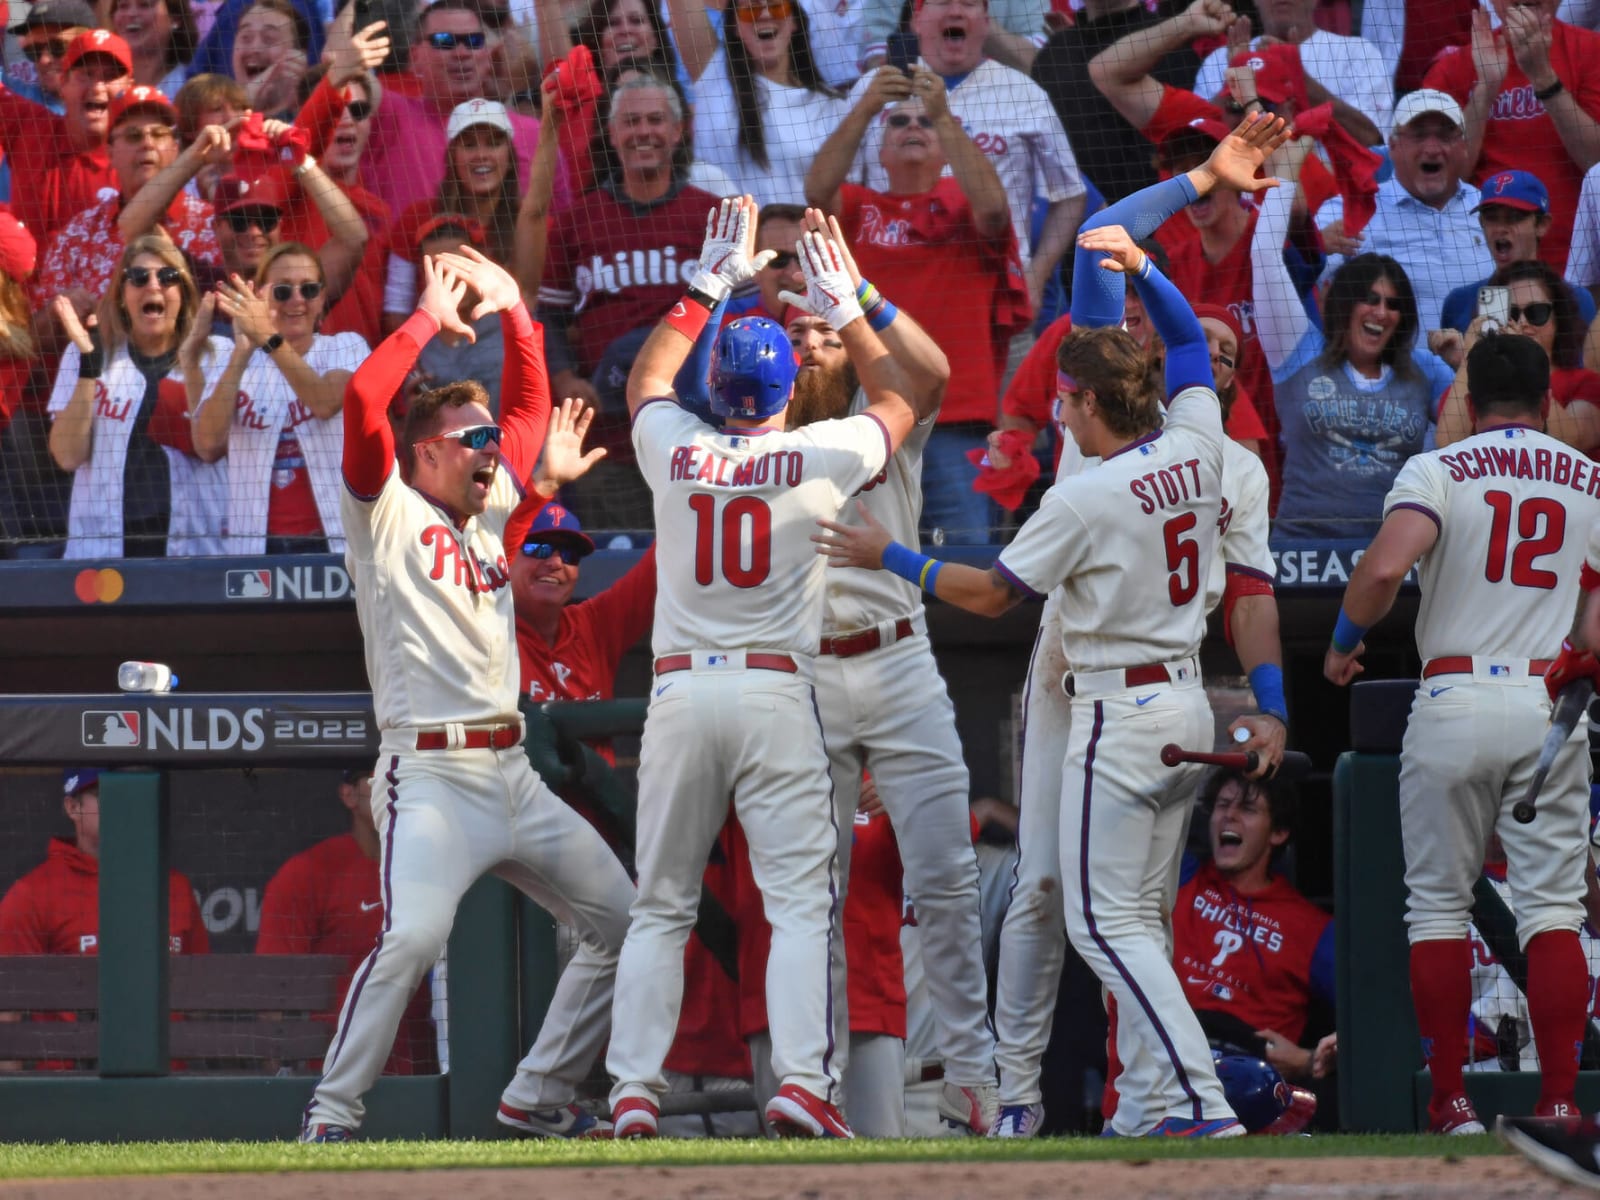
(1017, 1121)
(971, 1110)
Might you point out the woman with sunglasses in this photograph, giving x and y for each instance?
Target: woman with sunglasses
(275, 411)
(1542, 309)
(1354, 398)
(162, 36)
(121, 424)
(762, 109)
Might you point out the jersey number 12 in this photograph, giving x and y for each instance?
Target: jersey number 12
(1531, 548)
(740, 542)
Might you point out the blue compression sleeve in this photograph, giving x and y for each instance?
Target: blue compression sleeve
(1188, 356)
(693, 381)
(1097, 294)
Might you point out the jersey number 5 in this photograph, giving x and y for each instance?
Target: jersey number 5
(1531, 514)
(745, 537)
(1183, 559)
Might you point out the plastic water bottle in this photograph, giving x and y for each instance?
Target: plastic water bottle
(146, 677)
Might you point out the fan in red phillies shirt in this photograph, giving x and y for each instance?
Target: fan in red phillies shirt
(329, 900)
(1530, 96)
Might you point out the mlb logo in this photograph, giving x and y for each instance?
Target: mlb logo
(717, 660)
(1147, 448)
(105, 728)
(1181, 674)
(1221, 991)
(249, 585)
(1499, 669)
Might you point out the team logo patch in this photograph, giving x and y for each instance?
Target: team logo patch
(716, 660)
(106, 728)
(1499, 669)
(248, 585)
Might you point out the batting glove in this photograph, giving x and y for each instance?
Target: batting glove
(725, 261)
(1570, 666)
(830, 294)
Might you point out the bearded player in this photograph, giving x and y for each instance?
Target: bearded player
(454, 795)
(737, 624)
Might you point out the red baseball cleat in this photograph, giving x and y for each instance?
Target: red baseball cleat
(795, 1112)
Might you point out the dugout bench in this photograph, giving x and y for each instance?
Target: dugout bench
(1383, 1085)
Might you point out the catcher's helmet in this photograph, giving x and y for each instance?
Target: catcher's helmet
(1259, 1096)
(753, 369)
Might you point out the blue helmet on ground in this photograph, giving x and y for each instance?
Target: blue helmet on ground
(752, 370)
(1260, 1097)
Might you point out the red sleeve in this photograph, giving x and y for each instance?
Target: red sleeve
(1033, 387)
(19, 928)
(574, 136)
(521, 517)
(524, 392)
(22, 118)
(1576, 384)
(319, 116)
(196, 939)
(1452, 72)
(1178, 108)
(368, 440)
(170, 424)
(1244, 422)
(622, 613)
(288, 921)
(1240, 584)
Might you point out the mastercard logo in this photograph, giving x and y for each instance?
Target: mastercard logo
(102, 586)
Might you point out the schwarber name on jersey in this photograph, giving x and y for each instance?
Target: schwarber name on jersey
(1513, 507)
(439, 647)
(747, 502)
(1132, 542)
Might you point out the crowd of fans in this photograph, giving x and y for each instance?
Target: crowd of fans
(217, 207)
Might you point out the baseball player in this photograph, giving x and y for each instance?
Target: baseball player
(884, 703)
(737, 625)
(1032, 946)
(1130, 634)
(1494, 520)
(455, 795)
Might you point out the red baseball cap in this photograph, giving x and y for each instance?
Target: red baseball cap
(18, 249)
(1279, 73)
(234, 193)
(141, 97)
(1219, 312)
(470, 228)
(98, 41)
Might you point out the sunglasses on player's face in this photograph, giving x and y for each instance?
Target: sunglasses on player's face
(284, 292)
(569, 554)
(445, 40)
(473, 437)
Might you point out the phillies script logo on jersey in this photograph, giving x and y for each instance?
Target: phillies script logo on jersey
(879, 230)
(105, 406)
(632, 269)
(1517, 104)
(463, 568)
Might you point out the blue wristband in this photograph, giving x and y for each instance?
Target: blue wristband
(905, 562)
(1347, 634)
(882, 317)
(1266, 684)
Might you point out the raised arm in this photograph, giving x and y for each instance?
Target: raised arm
(72, 430)
(831, 167)
(1529, 32)
(532, 235)
(1281, 320)
(1123, 71)
(211, 412)
(1188, 356)
(341, 254)
(144, 210)
(696, 40)
(980, 182)
(322, 393)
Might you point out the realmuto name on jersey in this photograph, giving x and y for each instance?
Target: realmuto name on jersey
(630, 269)
(694, 464)
(1518, 462)
(460, 567)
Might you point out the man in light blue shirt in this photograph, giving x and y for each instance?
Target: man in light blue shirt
(1424, 217)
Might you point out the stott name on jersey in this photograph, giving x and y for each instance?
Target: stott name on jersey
(1168, 487)
(1516, 462)
(697, 464)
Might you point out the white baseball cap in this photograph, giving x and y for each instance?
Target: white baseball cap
(1424, 100)
(481, 112)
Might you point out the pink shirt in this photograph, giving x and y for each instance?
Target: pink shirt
(404, 161)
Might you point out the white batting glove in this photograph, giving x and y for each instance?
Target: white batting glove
(829, 292)
(726, 258)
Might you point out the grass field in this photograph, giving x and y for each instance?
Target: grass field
(64, 1159)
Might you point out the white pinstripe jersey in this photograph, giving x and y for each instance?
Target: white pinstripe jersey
(735, 511)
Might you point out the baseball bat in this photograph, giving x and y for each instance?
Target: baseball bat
(1295, 765)
(1564, 717)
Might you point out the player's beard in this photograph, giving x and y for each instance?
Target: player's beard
(822, 395)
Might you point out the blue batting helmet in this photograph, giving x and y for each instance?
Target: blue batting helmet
(1259, 1096)
(753, 369)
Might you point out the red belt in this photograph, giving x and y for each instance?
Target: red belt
(850, 644)
(758, 662)
(496, 737)
(1134, 677)
(1461, 664)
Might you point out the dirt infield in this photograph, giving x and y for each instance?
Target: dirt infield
(1476, 1178)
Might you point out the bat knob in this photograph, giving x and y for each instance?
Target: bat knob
(1522, 812)
(1171, 754)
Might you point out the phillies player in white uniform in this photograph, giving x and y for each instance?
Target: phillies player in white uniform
(884, 703)
(454, 794)
(738, 620)
(1131, 633)
(1498, 522)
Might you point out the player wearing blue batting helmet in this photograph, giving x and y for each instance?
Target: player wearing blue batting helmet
(752, 370)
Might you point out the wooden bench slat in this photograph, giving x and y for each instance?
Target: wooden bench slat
(45, 981)
(252, 982)
(292, 1040)
(49, 1039)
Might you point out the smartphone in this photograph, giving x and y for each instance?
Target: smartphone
(902, 52)
(363, 16)
(1494, 304)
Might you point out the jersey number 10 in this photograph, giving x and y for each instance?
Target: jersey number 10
(1531, 548)
(745, 527)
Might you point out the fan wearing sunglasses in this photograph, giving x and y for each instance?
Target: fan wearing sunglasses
(275, 412)
(1353, 402)
(120, 422)
(1541, 308)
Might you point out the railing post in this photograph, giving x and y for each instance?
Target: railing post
(482, 999)
(133, 923)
